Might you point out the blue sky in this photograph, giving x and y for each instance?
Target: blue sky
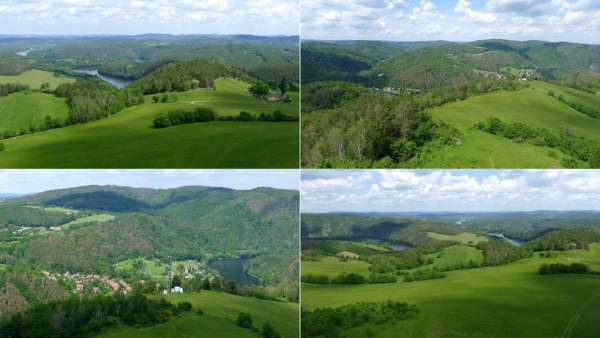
(30, 181)
(455, 20)
(261, 17)
(449, 190)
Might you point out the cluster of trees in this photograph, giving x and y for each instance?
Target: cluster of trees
(424, 274)
(32, 217)
(564, 239)
(77, 317)
(589, 111)
(331, 321)
(183, 76)
(179, 116)
(89, 101)
(579, 148)
(49, 123)
(276, 116)
(558, 268)
(9, 88)
(403, 260)
(500, 252)
(165, 98)
(328, 95)
(267, 331)
(349, 278)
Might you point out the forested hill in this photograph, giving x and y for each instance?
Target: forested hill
(190, 222)
(185, 75)
(423, 66)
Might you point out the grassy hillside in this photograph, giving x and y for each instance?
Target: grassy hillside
(332, 266)
(26, 109)
(505, 301)
(127, 138)
(35, 78)
(220, 313)
(532, 106)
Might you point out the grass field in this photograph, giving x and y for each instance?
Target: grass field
(496, 302)
(331, 266)
(25, 109)
(454, 257)
(154, 268)
(532, 106)
(55, 209)
(220, 312)
(464, 237)
(35, 78)
(97, 218)
(127, 138)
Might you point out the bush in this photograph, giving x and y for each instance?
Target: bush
(375, 278)
(184, 306)
(558, 268)
(349, 278)
(244, 320)
(315, 279)
(178, 117)
(2, 146)
(424, 275)
(259, 89)
(269, 332)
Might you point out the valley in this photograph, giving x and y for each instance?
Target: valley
(72, 93)
(230, 251)
(435, 93)
(462, 283)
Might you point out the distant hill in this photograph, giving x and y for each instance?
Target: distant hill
(429, 65)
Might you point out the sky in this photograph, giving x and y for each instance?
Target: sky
(449, 190)
(84, 17)
(31, 181)
(453, 20)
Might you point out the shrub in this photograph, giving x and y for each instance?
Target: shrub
(178, 117)
(269, 332)
(244, 320)
(349, 278)
(184, 306)
(382, 278)
(558, 268)
(315, 279)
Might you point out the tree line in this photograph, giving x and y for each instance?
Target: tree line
(349, 278)
(199, 115)
(9, 88)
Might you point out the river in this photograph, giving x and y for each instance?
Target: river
(233, 269)
(513, 241)
(115, 81)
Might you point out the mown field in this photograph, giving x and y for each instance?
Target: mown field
(35, 78)
(505, 301)
(25, 109)
(127, 138)
(532, 106)
(220, 313)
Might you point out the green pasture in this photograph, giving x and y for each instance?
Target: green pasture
(127, 138)
(331, 266)
(97, 218)
(505, 301)
(532, 106)
(463, 237)
(454, 257)
(54, 209)
(35, 78)
(25, 109)
(220, 313)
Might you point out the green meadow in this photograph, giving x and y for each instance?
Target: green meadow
(463, 237)
(25, 109)
(127, 138)
(35, 78)
(332, 266)
(532, 106)
(97, 218)
(512, 300)
(220, 313)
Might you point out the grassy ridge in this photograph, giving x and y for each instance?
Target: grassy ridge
(505, 301)
(26, 109)
(126, 139)
(532, 106)
(220, 312)
(35, 78)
